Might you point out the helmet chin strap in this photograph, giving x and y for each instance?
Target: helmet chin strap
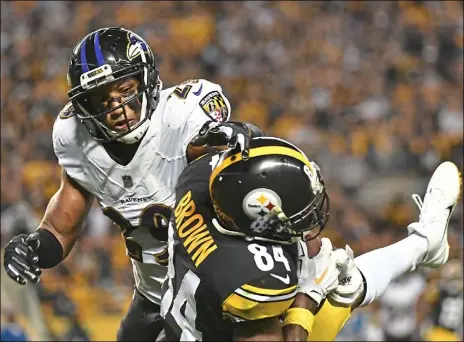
(225, 231)
(138, 133)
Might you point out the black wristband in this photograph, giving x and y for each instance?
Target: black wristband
(50, 251)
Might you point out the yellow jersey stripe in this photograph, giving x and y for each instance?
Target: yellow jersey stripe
(262, 299)
(268, 292)
(257, 152)
(439, 334)
(251, 310)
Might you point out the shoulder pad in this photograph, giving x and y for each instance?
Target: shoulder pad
(66, 123)
(67, 112)
(65, 131)
(199, 94)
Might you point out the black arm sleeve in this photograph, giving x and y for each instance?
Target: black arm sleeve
(49, 249)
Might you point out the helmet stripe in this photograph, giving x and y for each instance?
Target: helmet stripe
(98, 52)
(257, 152)
(84, 65)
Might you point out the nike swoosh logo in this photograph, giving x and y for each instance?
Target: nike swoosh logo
(198, 92)
(285, 280)
(318, 280)
(450, 211)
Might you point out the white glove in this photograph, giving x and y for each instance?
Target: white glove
(351, 284)
(319, 275)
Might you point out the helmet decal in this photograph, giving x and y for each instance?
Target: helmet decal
(97, 48)
(260, 202)
(136, 46)
(85, 66)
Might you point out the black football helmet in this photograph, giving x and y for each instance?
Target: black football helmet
(108, 55)
(277, 194)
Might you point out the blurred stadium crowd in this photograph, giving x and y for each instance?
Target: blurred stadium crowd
(371, 90)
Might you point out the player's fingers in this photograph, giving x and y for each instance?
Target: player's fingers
(33, 241)
(206, 136)
(206, 128)
(232, 141)
(34, 268)
(31, 272)
(18, 239)
(244, 143)
(33, 258)
(21, 250)
(341, 257)
(34, 277)
(226, 132)
(14, 274)
(349, 251)
(241, 141)
(24, 251)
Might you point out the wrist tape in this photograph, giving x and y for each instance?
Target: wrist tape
(301, 317)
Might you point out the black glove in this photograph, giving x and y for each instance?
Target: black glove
(231, 134)
(20, 259)
(274, 225)
(269, 223)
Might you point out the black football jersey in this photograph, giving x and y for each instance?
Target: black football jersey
(214, 280)
(448, 312)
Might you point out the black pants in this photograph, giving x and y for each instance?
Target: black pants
(142, 322)
(391, 338)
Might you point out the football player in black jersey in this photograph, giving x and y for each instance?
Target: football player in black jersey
(234, 244)
(232, 269)
(442, 305)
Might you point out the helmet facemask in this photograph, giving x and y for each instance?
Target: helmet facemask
(93, 114)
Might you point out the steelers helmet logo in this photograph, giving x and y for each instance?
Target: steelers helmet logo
(259, 202)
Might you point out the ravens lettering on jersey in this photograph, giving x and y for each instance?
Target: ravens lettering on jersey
(219, 280)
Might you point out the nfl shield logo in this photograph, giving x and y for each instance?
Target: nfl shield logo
(127, 181)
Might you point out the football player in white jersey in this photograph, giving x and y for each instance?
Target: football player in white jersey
(123, 140)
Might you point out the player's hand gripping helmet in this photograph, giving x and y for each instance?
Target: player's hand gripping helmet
(276, 195)
(109, 55)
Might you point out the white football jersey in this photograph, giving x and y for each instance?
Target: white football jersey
(398, 304)
(140, 195)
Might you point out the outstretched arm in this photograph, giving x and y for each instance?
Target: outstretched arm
(66, 212)
(311, 316)
(26, 255)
